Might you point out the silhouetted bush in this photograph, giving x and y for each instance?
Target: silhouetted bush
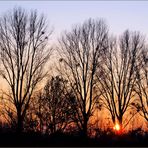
(11, 138)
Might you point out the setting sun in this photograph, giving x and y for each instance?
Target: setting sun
(117, 127)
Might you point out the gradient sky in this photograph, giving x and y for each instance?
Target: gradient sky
(119, 15)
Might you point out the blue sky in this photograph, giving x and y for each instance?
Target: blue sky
(119, 15)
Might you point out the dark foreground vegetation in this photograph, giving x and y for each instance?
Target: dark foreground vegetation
(134, 138)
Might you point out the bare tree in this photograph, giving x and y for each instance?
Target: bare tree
(117, 76)
(142, 85)
(54, 105)
(23, 40)
(57, 97)
(80, 52)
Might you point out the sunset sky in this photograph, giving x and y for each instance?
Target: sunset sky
(63, 14)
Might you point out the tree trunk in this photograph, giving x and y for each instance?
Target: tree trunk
(54, 125)
(84, 128)
(19, 121)
(19, 124)
(120, 119)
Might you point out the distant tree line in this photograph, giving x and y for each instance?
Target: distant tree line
(92, 69)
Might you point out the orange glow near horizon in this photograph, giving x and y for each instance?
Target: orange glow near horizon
(117, 127)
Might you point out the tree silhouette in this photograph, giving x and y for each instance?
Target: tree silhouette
(54, 106)
(80, 52)
(142, 85)
(23, 40)
(117, 76)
